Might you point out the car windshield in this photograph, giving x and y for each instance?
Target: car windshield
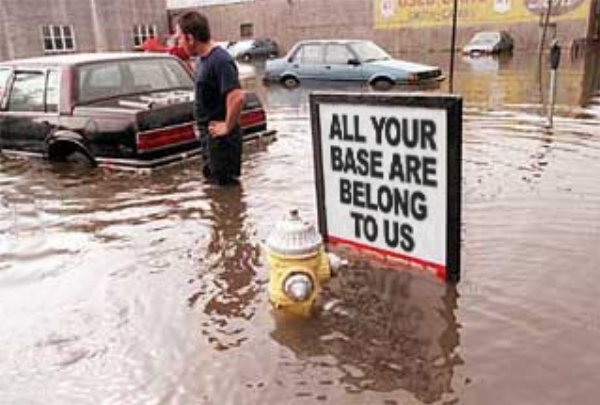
(122, 78)
(367, 51)
(485, 38)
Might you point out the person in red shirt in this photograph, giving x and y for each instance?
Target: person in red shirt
(152, 44)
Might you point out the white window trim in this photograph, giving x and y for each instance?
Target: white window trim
(53, 38)
(142, 32)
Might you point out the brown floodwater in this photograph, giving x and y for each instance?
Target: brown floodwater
(124, 288)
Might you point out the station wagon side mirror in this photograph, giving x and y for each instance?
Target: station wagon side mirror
(353, 62)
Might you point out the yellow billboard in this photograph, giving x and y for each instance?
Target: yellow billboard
(430, 13)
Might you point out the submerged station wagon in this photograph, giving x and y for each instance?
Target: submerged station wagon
(110, 109)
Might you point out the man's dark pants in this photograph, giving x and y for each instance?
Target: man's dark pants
(222, 156)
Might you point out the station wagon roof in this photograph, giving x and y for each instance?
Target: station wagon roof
(339, 41)
(81, 58)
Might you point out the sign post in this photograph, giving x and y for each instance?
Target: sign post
(388, 175)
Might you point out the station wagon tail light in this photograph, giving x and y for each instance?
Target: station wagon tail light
(252, 118)
(164, 137)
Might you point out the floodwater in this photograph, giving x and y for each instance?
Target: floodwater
(123, 288)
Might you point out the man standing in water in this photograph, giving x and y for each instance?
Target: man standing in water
(219, 99)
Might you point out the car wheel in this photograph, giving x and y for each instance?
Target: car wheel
(246, 57)
(290, 82)
(79, 159)
(382, 84)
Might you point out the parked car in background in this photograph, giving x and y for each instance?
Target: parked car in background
(347, 60)
(489, 42)
(123, 110)
(251, 49)
(225, 44)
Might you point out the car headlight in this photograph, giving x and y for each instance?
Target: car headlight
(298, 286)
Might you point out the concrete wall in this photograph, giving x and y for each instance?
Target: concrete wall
(99, 25)
(288, 21)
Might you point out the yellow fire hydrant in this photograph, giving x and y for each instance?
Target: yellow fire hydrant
(297, 265)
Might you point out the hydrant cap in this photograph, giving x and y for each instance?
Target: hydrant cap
(294, 237)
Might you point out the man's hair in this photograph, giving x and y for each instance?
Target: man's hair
(195, 24)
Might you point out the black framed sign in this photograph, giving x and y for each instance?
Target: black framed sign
(388, 175)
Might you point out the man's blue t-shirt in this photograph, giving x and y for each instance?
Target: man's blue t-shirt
(216, 75)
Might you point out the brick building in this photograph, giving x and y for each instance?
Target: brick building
(37, 27)
(399, 25)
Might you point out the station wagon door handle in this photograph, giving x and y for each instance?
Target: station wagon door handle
(328, 67)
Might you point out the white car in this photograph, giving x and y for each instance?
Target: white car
(489, 42)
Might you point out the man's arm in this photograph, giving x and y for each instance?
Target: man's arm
(229, 85)
(235, 100)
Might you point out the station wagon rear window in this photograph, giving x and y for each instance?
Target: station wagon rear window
(113, 79)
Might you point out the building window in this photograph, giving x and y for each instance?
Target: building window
(142, 32)
(247, 30)
(58, 38)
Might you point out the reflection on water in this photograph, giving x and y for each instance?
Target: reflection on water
(226, 271)
(125, 288)
(384, 330)
(491, 82)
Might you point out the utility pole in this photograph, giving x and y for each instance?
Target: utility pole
(554, 62)
(453, 45)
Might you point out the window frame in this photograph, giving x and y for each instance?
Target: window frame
(142, 32)
(247, 30)
(53, 38)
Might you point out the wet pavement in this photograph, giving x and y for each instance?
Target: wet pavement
(123, 288)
